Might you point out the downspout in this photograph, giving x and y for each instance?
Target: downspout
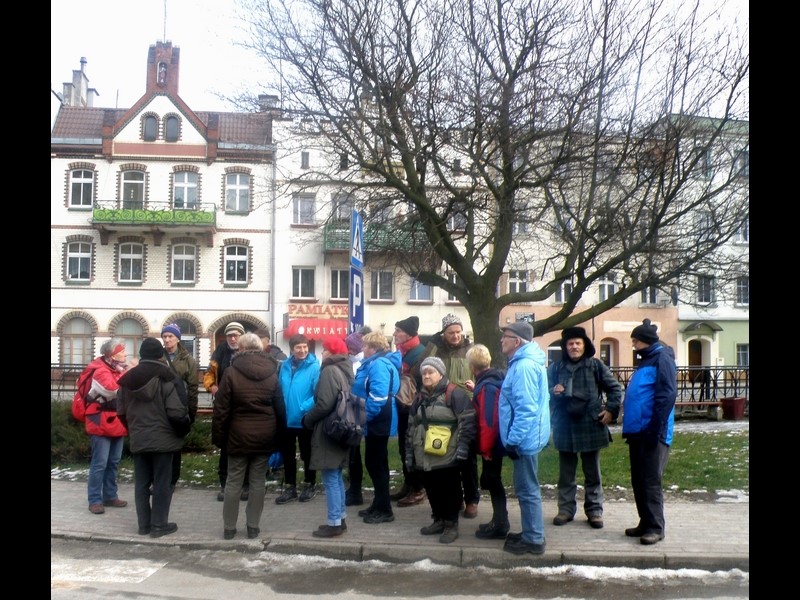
(274, 192)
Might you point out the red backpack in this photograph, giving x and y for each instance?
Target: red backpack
(83, 385)
(488, 421)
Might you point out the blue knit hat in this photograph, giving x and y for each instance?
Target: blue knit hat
(173, 329)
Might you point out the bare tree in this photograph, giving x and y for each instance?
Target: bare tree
(578, 140)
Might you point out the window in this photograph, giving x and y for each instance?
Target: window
(150, 129)
(606, 289)
(705, 289)
(131, 333)
(457, 221)
(237, 192)
(131, 263)
(344, 161)
(650, 295)
(380, 211)
(554, 353)
(303, 282)
(563, 292)
(183, 261)
(342, 207)
(419, 291)
(519, 227)
(741, 165)
(704, 226)
(743, 233)
(703, 167)
(742, 355)
(381, 285)
(76, 342)
(305, 160)
(303, 209)
(79, 261)
(185, 189)
(605, 353)
(81, 188)
(188, 336)
(133, 189)
(454, 279)
(172, 130)
(743, 290)
(236, 264)
(340, 284)
(517, 282)
(456, 165)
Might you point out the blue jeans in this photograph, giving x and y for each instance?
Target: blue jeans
(529, 494)
(333, 481)
(106, 453)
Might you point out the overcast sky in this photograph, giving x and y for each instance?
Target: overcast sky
(115, 35)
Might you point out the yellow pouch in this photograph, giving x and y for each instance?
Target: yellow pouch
(437, 438)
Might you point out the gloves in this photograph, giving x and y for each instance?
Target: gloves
(512, 454)
(462, 454)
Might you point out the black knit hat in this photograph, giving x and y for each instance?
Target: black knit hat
(646, 332)
(571, 333)
(151, 349)
(409, 325)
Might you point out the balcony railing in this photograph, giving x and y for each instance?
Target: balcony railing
(162, 214)
(383, 237)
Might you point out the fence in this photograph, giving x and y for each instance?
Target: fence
(699, 388)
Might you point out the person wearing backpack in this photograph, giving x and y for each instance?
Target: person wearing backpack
(485, 390)
(441, 429)
(96, 405)
(579, 421)
(377, 381)
(328, 456)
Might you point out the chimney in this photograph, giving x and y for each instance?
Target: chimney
(267, 102)
(78, 92)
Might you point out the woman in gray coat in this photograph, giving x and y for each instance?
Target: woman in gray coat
(328, 456)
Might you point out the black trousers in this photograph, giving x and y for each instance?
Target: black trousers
(412, 477)
(355, 469)
(294, 438)
(152, 468)
(376, 460)
(492, 480)
(444, 492)
(469, 477)
(648, 461)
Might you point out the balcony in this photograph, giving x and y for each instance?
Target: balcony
(154, 217)
(383, 237)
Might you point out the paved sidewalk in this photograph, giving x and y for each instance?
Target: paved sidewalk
(702, 535)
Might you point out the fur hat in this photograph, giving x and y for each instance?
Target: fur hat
(234, 327)
(571, 333)
(521, 329)
(409, 325)
(151, 349)
(646, 332)
(451, 319)
(334, 345)
(434, 362)
(173, 329)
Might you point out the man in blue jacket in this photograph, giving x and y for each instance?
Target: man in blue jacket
(524, 410)
(647, 422)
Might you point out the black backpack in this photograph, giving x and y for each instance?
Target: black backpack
(345, 424)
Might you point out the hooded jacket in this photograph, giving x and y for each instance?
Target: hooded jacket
(101, 407)
(336, 373)
(297, 386)
(524, 404)
(372, 382)
(650, 397)
(247, 405)
(151, 408)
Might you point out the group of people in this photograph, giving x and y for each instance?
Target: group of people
(460, 407)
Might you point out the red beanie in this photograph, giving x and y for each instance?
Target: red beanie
(335, 345)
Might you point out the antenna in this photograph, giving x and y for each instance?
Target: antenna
(164, 39)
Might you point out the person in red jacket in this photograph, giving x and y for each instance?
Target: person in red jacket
(104, 426)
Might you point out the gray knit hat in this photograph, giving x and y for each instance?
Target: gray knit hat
(434, 362)
(451, 319)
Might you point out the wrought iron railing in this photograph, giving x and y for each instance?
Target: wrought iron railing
(154, 213)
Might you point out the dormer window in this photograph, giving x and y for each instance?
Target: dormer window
(172, 129)
(150, 132)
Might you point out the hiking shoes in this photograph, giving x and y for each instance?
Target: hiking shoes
(450, 532)
(117, 503)
(596, 521)
(520, 546)
(328, 531)
(491, 530)
(365, 512)
(252, 532)
(634, 532)
(379, 517)
(651, 538)
(157, 532)
(412, 498)
(96, 509)
(289, 494)
(434, 528)
(562, 518)
(309, 491)
(343, 525)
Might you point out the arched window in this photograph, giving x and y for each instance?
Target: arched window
(188, 336)
(76, 342)
(130, 331)
(150, 132)
(172, 129)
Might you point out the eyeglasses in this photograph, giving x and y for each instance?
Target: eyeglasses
(509, 337)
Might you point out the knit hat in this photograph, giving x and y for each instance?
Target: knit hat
(173, 329)
(354, 342)
(571, 333)
(409, 325)
(151, 349)
(646, 332)
(334, 345)
(451, 319)
(234, 327)
(521, 329)
(434, 362)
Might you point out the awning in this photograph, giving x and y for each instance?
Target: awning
(702, 325)
(317, 329)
